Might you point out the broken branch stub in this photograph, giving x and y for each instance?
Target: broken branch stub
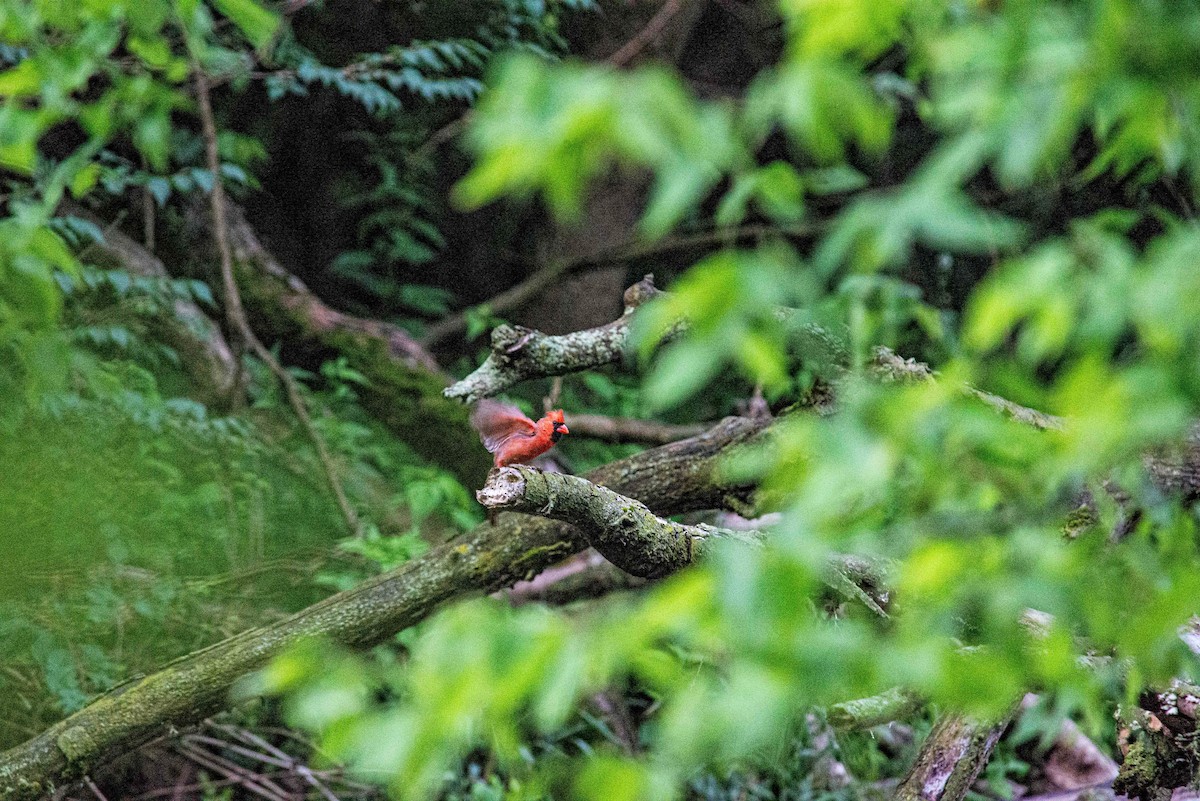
(520, 353)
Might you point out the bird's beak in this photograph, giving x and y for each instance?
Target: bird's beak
(563, 428)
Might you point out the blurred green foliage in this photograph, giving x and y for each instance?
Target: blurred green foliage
(1089, 317)
(131, 513)
(137, 523)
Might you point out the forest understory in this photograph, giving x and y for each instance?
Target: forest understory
(875, 329)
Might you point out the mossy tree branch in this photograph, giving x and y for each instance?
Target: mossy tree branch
(623, 530)
(519, 354)
(522, 353)
(950, 759)
(671, 479)
(630, 536)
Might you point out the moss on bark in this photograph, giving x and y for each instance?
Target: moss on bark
(487, 559)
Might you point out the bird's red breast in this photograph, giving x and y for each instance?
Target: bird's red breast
(511, 436)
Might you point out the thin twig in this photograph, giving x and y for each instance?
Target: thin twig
(281, 758)
(91, 785)
(236, 314)
(114, 225)
(147, 213)
(442, 135)
(255, 783)
(543, 278)
(646, 35)
(625, 429)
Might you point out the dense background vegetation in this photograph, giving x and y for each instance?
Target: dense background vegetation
(210, 423)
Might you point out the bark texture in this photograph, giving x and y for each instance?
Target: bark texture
(522, 353)
(1158, 742)
(671, 479)
(950, 760)
(630, 536)
(623, 530)
(404, 382)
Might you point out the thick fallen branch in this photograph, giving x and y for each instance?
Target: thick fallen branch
(674, 478)
(404, 384)
(630, 536)
(622, 530)
(950, 759)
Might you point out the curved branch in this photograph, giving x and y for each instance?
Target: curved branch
(623, 530)
(628, 253)
(237, 314)
(521, 353)
(630, 536)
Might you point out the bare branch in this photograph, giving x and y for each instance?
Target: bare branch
(237, 314)
(521, 353)
(623, 530)
(624, 429)
(629, 253)
(951, 757)
(646, 35)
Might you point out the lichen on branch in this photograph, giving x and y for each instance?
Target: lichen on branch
(521, 353)
(630, 536)
(622, 529)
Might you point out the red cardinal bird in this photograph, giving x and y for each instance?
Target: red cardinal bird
(513, 437)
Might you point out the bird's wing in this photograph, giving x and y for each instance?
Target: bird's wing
(497, 423)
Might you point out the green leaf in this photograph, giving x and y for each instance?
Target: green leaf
(84, 179)
(257, 23)
(835, 180)
(23, 80)
(152, 136)
(681, 371)
(677, 191)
